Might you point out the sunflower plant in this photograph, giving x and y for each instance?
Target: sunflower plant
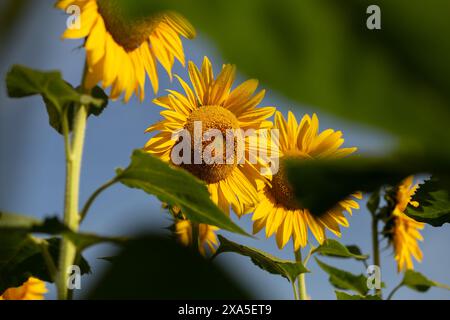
(219, 154)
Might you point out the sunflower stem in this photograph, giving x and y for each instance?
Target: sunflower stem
(376, 248)
(94, 196)
(294, 289)
(74, 154)
(394, 290)
(301, 278)
(305, 262)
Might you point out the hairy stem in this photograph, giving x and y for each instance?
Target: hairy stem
(294, 289)
(394, 290)
(301, 278)
(74, 150)
(94, 196)
(311, 249)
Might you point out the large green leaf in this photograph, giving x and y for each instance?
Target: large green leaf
(59, 96)
(82, 240)
(434, 203)
(52, 226)
(15, 249)
(23, 255)
(176, 187)
(418, 282)
(16, 221)
(320, 184)
(285, 268)
(320, 53)
(333, 248)
(344, 280)
(153, 267)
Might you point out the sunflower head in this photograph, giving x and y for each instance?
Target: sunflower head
(221, 114)
(401, 230)
(278, 210)
(212, 118)
(120, 53)
(130, 34)
(32, 289)
(282, 190)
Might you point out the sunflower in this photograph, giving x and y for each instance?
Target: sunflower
(404, 230)
(278, 210)
(120, 53)
(216, 106)
(32, 289)
(206, 235)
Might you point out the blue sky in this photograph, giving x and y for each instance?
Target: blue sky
(32, 165)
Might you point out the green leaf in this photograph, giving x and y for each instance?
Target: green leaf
(345, 296)
(330, 181)
(22, 253)
(332, 248)
(16, 248)
(355, 250)
(176, 187)
(341, 66)
(434, 203)
(53, 226)
(418, 282)
(94, 109)
(344, 280)
(285, 268)
(36, 264)
(153, 267)
(23, 82)
(59, 96)
(375, 77)
(11, 220)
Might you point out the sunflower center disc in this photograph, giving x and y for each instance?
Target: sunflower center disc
(281, 189)
(128, 34)
(217, 118)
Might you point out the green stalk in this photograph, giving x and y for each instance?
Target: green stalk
(394, 290)
(301, 278)
(376, 248)
(74, 155)
(294, 289)
(71, 216)
(94, 196)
